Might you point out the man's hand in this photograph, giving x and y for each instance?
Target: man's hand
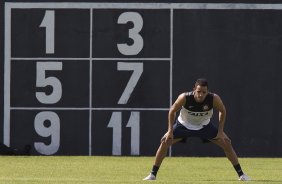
(220, 135)
(168, 138)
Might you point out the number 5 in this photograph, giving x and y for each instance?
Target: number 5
(43, 81)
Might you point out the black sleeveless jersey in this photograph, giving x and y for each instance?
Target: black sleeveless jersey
(194, 115)
(194, 106)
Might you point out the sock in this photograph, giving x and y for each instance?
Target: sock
(155, 170)
(238, 169)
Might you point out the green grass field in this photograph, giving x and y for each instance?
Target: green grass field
(123, 170)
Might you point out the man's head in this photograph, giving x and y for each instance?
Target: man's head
(200, 90)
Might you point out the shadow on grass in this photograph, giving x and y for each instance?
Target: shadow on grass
(222, 181)
(265, 181)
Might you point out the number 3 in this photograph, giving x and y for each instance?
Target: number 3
(138, 43)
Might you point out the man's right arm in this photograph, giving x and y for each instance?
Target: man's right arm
(181, 100)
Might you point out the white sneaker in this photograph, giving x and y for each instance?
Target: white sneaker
(244, 177)
(150, 177)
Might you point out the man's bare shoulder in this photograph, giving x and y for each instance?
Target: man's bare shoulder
(216, 96)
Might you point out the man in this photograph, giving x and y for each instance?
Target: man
(194, 121)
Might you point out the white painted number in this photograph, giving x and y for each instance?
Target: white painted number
(43, 81)
(134, 124)
(134, 33)
(115, 123)
(137, 69)
(48, 23)
(53, 130)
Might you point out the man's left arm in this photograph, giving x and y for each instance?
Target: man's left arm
(219, 106)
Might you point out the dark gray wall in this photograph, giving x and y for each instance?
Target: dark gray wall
(238, 51)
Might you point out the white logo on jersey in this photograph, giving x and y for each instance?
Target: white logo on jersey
(198, 113)
(205, 107)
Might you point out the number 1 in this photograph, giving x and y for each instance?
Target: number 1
(49, 23)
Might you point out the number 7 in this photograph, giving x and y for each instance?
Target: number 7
(137, 69)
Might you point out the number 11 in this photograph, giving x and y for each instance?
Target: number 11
(134, 124)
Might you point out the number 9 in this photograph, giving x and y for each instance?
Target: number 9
(53, 130)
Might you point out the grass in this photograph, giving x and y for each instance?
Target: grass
(123, 170)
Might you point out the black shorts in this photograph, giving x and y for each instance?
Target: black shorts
(207, 133)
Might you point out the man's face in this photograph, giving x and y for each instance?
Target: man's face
(200, 93)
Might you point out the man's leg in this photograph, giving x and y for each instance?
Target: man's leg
(231, 155)
(162, 151)
(228, 149)
(160, 155)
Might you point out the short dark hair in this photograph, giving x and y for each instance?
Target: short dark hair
(201, 82)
